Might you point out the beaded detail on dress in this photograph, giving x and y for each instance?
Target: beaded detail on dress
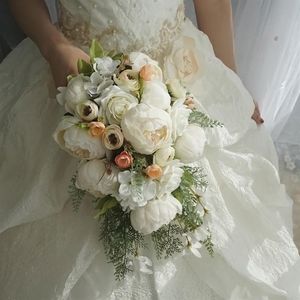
(153, 37)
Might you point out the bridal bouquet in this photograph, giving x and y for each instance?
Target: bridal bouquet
(137, 138)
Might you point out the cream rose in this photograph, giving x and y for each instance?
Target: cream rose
(147, 128)
(98, 177)
(77, 141)
(190, 146)
(128, 80)
(156, 94)
(155, 214)
(116, 103)
(87, 110)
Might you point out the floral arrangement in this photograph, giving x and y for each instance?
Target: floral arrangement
(137, 138)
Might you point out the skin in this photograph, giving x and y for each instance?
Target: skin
(214, 18)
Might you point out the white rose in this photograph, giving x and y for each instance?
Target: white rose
(138, 60)
(180, 118)
(190, 146)
(98, 177)
(87, 110)
(116, 103)
(128, 80)
(147, 128)
(77, 141)
(176, 89)
(156, 94)
(163, 156)
(73, 94)
(183, 63)
(171, 178)
(155, 214)
(125, 195)
(105, 66)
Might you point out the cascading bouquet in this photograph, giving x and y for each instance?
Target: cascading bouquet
(137, 139)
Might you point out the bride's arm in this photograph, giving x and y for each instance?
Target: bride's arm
(214, 17)
(33, 17)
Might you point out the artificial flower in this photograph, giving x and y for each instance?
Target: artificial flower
(112, 137)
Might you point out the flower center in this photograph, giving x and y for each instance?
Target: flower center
(87, 110)
(113, 139)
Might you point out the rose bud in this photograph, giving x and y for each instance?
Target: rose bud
(87, 110)
(124, 160)
(150, 72)
(113, 137)
(190, 103)
(96, 129)
(154, 171)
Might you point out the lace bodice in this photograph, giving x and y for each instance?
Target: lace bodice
(144, 25)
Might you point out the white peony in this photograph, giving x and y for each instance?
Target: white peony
(73, 94)
(147, 128)
(105, 66)
(171, 177)
(176, 89)
(98, 177)
(190, 146)
(116, 103)
(155, 214)
(126, 197)
(138, 60)
(155, 93)
(77, 141)
(163, 156)
(180, 118)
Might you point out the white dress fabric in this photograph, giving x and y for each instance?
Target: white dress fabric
(48, 252)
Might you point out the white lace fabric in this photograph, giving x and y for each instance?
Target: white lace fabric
(48, 252)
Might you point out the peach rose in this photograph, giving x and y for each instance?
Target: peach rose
(150, 72)
(190, 103)
(154, 171)
(124, 160)
(96, 129)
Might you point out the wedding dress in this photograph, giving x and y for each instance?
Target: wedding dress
(48, 252)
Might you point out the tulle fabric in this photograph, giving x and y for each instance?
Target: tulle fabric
(49, 252)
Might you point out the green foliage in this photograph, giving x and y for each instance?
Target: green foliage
(167, 241)
(121, 241)
(96, 50)
(76, 194)
(201, 119)
(104, 204)
(84, 67)
(209, 245)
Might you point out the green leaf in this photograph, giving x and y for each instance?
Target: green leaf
(201, 119)
(96, 50)
(76, 194)
(118, 56)
(84, 67)
(106, 204)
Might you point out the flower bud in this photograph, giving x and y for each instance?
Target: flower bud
(124, 160)
(96, 129)
(154, 171)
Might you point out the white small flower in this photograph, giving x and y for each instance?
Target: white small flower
(98, 177)
(138, 60)
(147, 128)
(156, 94)
(125, 195)
(77, 141)
(105, 66)
(190, 146)
(171, 178)
(155, 213)
(180, 118)
(87, 110)
(163, 156)
(194, 246)
(176, 89)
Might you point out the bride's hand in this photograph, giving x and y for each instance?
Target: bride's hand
(63, 59)
(256, 115)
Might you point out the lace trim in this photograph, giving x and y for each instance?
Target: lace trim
(81, 33)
